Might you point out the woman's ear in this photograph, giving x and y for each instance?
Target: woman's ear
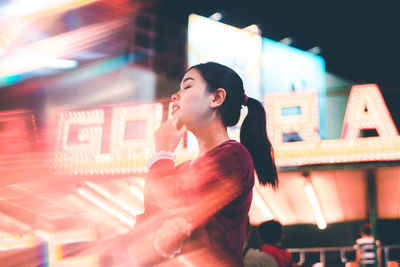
(219, 96)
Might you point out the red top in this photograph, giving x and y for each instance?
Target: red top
(282, 256)
(213, 193)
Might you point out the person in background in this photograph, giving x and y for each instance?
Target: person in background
(272, 237)
(252, 256)
(365, 248)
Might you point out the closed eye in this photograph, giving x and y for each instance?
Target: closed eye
(187, 87)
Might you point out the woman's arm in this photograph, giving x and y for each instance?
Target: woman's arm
(181, 201)
(166, 139)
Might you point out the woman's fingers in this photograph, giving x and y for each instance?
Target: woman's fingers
(168, 135)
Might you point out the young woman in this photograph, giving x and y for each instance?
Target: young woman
(199, 208)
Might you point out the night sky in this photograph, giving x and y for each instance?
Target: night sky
(359, 39)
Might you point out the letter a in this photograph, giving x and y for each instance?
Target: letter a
(366, 109)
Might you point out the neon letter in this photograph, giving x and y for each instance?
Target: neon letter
(306, 123)
(76, 136)
(132, 127)
(366, 109)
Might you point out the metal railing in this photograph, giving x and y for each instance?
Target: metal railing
(342, 252)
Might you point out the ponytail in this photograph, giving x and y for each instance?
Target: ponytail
(253, 135)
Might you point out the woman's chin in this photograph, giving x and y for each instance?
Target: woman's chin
(174, 115)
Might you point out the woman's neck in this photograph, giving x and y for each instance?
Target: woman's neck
(210, 136)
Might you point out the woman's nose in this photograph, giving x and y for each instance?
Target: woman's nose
(175, 97)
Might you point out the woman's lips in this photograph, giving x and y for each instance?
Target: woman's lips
(175, 107)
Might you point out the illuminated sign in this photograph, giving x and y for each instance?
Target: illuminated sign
(81, 137)
(364, 111)
(285, 69)
(119, 140)
(266, 66)
(306, 123)
(89, 142)
(209, 40)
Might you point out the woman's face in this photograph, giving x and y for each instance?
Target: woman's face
(191, 104)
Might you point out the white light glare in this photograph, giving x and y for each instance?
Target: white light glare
(86, 194)
(286, 41)
(312, 199)
(113, 199)
(253, 28)
(315, 50)
(137, 193)
(262, 206)
(217, 16)
(57, 63)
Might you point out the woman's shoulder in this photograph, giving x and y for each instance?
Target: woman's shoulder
(232, 153)
(231, 147)
(229, 156)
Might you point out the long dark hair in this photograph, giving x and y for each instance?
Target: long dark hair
(253, 132)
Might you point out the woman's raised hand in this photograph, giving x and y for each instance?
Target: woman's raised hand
(168, 135)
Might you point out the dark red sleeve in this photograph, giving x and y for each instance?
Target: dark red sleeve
(153, 189)
(215, 179)
(229, 175)
(233, 163)
(226, 199)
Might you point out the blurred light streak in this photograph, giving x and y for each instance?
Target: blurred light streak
(61, 46)
(56, 240)
(8, 80)
(119, 89)
(106, 228)
(137, 193)
(101, 191)
(185, 261)
(140, 181)
(213, 200)
(193, 205)
(19, 14)
(260, 203)
(42, 234)
(41, 7)
(312, 199)
(91, 71)
(95, 200)
(22, 155)
(60, 63)
(8, 220)
(72, 236)
(17, 241)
